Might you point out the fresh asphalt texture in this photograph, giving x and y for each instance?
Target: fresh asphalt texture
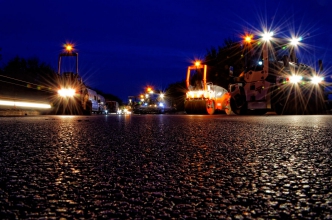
(166, 167)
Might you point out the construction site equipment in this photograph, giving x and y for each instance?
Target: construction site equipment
(73, 94)
(151, 102)
(112, 107)
(203, 97)
(274, 80)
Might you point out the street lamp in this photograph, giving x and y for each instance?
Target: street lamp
(248, 38)
(295, 41)
(267, 36)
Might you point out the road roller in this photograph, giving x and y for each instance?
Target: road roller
(203, 97)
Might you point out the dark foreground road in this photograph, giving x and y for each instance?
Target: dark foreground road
(166, 167)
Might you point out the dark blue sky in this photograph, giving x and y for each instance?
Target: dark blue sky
(128, 44)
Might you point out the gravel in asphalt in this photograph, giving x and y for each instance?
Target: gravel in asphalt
(166, 167)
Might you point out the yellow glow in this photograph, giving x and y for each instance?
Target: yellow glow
(200, 94)
(197, 63)
(149, 89)
(24, 104)
(66, 92)
(69, 47)
(248, 38)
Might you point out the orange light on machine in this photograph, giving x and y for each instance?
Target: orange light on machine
(69, 47)
(197, 63)
(149, 90)
(248, 38)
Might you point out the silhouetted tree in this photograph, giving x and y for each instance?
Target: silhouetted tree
(175, 95)
(30, 70)
(220, 59)
(26, 78)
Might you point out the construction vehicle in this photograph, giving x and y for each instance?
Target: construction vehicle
(203, 97)
(97, 101)
(151, 102)
(73, 94)
(112, 107)
(275, 81)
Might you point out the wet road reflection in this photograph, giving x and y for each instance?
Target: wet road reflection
(165, 166)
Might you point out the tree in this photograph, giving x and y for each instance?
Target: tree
(27, 78)
(220, 59)
(175, 95)
(29, 70)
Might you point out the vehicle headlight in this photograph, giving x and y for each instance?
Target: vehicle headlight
(190, 95)
(66, 92)
(317, 79)
(295, 79)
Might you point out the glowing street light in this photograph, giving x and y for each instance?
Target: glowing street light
(317, 79)
(267, 36)
(295, 41)
(295, 79)
(248, 38)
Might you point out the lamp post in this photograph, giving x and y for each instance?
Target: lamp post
(267, 36)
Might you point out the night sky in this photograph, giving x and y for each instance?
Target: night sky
(126, 45)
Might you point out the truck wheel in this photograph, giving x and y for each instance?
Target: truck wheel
(279, 103)
(228, 108)
(88, 108)
(210, 108)
(279, 108)
(238, 110)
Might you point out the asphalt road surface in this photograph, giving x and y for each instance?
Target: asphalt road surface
(166, 167)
